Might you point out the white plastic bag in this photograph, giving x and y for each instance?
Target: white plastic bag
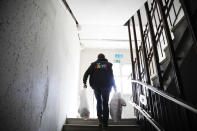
(83, 106)
(116, 104)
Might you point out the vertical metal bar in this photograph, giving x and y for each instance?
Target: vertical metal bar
(155, 107)
(166, 114)
(153, 69)
(170, 20)
(145, 61)
(154, 46)
(172, 51)
(141, 63)
(136, 47)
(133, 64)
(162, 105)
(131, 50)
(156, 56)
(137, 56)
(143, 48)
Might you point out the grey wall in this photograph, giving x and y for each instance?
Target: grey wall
(39, 65)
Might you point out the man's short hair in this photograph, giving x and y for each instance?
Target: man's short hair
(101, 56)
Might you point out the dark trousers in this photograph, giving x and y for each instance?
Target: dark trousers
(102, 97)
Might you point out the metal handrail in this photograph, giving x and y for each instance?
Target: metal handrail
(148, 117)
(168, 96)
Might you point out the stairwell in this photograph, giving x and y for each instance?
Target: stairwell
(160, 113)
(77, 124)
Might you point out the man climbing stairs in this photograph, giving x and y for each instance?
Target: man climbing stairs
(77, 124)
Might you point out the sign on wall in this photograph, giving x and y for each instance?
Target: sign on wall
(118, 56)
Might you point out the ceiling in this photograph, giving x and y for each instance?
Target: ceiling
(104, 12)
(101, 22)
(108, 37)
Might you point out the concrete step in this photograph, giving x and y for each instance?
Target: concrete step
(95, 121)
(78, 127)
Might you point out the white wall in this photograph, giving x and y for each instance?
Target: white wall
(39, 65)
(90, 55)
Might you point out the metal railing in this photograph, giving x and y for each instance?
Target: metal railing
(172, 98)
(180, 105)
(151, 58)
(148, 117)
(168, 97)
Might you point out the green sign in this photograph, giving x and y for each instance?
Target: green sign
(116, 61)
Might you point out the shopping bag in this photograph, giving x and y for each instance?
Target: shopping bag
(116, 104)
(83, 106)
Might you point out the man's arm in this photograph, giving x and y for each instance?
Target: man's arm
(85, 77)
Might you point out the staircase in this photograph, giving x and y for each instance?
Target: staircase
(77, 124)
(168, 82)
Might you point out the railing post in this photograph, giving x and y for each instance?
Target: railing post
(173, 59)
(156, 56)
(131, 51)
(145, 61)
(154, 46)
(137, 56)
(132, 62)
(143, 48)
(136, 47)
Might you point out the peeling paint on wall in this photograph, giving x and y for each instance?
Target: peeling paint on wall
(46, 93)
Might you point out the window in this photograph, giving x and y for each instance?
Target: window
(122, 77)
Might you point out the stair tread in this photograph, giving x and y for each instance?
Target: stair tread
(95, 121)
(78, 127)
(81, 125)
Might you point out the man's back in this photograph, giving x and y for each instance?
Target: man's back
(101, 74)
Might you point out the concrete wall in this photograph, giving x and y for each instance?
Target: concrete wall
(90, 55)
(39, 65)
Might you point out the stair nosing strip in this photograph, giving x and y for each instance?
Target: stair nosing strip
(97, 125)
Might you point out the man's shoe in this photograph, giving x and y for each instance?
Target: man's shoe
(105, 126)
(100, 124)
